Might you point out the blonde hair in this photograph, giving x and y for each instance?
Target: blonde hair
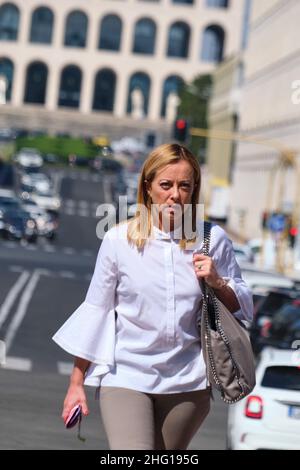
(140, 227)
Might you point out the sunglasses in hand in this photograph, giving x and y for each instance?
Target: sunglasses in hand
(74, 417)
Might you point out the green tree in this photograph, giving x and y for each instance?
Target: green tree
(194, 98)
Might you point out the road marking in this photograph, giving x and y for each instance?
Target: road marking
(67, 274)
(12, 295)
(22, 309)
(49, 249)
(57, 181)
(96, 178)
(83, 204)
(69, 202)
(17, 363)
(69, 211)
(107, 191)
(16, 269)
(83, 213)
(11, 244)
(31, 247)
(87, 253)
(68, 251)
(65, 368)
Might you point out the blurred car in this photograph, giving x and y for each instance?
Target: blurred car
(269, 418)
(78, 160)
(105, 164)
(50, 158)
(47, 225)
(284, 328)
(257, 277)
(18, 225)
(49, 201)
(36, 182)
(6, 174)
(8, 200)
(28, 157)
(265, 311)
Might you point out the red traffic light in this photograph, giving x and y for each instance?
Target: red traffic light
(293, 231)
(181, 124)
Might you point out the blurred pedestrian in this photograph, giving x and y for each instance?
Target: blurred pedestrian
(135, 336)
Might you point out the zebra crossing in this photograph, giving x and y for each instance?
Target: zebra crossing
(27, 365)
(79, 208)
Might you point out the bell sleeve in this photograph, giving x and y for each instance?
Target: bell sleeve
(89, 333)
(223, 255)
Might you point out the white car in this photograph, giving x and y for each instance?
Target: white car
(29, 157)
(256, 277)
(48, 201)
(37, 182)
(269, 418)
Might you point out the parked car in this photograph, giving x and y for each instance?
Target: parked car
(8, 200)
(269, 418)
(49, 201)
(18, 225)
(28, 157)
(36, 182)
(105, 164)
(78, 160)
(50, 158)
(284, 328)
(47, 225)
(264, 313)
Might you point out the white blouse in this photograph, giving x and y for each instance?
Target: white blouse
(137, 324)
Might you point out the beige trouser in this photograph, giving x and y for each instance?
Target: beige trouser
(137, 420)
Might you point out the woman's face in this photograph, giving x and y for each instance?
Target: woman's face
(172, 187)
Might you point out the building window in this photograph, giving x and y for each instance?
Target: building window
(172, 84)
(76, 29)
(139, 82)
(41, 26)
(144, 36)
(183, 1)
(179, 38)
(36, 83)
(213, 44)
(9, 22)
(70, 86)
(104, 92)
(217, 3)
(6, 74)
(110, 33)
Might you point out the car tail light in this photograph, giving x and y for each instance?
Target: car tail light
(254, 407)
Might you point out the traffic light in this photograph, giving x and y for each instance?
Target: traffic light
(291, 231)
(264, 220)
(181, 130)
(292, 235)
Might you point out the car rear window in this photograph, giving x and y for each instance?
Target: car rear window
(283, 377)
(273, 302)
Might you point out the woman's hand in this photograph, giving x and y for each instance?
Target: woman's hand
(75, 396)
(205, 268)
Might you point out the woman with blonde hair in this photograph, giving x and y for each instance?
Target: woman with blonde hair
(135, 336)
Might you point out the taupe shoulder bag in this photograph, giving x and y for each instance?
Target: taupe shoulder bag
(225, 343)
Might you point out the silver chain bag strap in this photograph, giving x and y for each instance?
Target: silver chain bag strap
(225, 344)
